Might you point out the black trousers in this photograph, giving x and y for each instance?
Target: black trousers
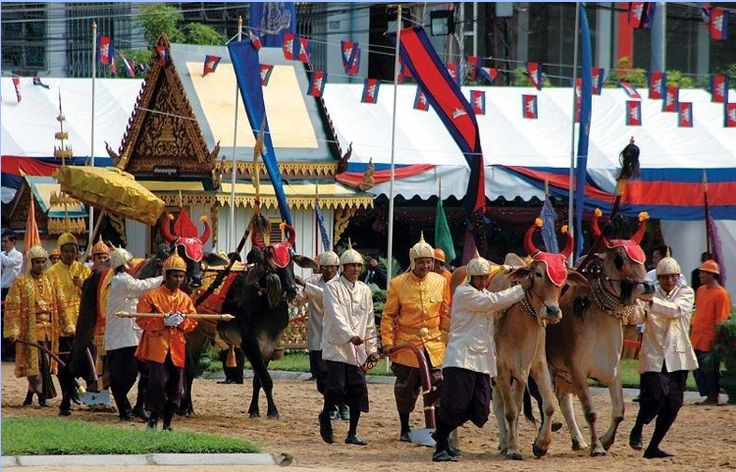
(708, 374)
(124, 367)
(345, 384)
(661, 392)
(8, 348)
(466, 396)
(165, 384)
(318, 368)
(66, 378)
(409, 383)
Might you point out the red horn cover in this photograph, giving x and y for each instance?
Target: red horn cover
(531, 249)
(166, 232)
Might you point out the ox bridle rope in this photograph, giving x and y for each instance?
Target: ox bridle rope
(609, 302)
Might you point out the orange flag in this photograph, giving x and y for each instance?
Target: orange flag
(32, 236)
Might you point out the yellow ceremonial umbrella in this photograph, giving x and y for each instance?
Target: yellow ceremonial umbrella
(111, 189)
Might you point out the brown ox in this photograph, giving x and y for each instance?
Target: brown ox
(587, 343)
(520, 340)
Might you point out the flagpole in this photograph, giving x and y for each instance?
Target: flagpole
(571, 193)
(91, 223)
(390, 249)
(234, 172)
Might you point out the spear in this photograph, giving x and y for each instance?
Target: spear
(194, 316)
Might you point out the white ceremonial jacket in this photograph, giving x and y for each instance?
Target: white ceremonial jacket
(348, 312)
(124, 293)
(313, 294)
(666, 334)
(471, 345)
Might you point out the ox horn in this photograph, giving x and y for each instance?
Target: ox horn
(531, 249)
(291, 234)
(567, 252)
(256, 241)
(166, 231)
(207, 231)
(594, 223)
(639, 234)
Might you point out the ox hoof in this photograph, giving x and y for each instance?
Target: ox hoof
(578, 445)
(607, 443)
(502, 450)
(254, 414)
(598, 452)
(273, 416)
(515, 456)
(538, 451)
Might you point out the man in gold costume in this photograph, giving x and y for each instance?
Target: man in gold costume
(32, 309)
(70, 275)
(416, 313)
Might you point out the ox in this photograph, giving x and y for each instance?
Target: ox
(587, 342)
(520, 339)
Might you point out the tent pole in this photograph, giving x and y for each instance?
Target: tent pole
(571, 186)
(397, 71)
(91, 223)
(233, 177)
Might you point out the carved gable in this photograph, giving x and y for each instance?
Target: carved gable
(163, 139)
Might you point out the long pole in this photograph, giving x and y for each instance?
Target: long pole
(571, 193)
(91, 223)
(233, 177)
(397, 70)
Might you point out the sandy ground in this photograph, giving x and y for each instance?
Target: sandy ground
(703, 438)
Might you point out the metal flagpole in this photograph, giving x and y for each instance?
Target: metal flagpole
(92, 133)
(397, 71)
(571, 186)
(235, 142)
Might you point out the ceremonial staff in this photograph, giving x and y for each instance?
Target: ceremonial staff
(194, 316)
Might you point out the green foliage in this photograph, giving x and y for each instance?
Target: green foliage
(198, 33)
(396, 268)
(725, 341)
(521, 79)
(139, 56)
(675, 77)
(37, 436)
(636, 77)
(160, 18)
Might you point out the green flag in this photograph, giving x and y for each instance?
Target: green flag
(442, 236)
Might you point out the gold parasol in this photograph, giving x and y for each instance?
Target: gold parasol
(111, 189)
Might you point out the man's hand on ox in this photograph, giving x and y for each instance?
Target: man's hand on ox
(356, 340)
(374, 357)
(173, 320)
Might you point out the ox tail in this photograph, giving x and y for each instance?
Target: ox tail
(528, 408)
(273, 290)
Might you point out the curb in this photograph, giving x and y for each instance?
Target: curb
(147, 459)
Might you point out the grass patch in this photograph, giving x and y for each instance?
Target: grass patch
(630, 376)
(36, 436)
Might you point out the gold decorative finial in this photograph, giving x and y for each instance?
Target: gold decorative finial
(62, 152)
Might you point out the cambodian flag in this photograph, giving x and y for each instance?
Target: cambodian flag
(729, 119)
(452, 69)
(529, 106)
(633, 113)
(630, 90)
(578, 98)
(472, 67)
(489, 73)
(129, 65)
(16, 84)
(370, 91)
(255, 40)
(671, 98)
(420, 101)
(290, 48)
(716, 21)
(534, 71)
(37, 81)
(657, 84)
(478, 100)
(105, 49)
(317, 83)
(719, 88)
(598, 75)
(641, 14)
(210, 64)
(162, 54)
(265, 71)
(350, 56)
(685, 115)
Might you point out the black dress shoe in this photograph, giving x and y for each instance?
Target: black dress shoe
(635, 440)
(405, 436)
(65, 412)
(443, 456)
(325, 428)
(355, 439)
(657, 454)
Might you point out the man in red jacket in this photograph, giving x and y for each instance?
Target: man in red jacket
(163, 346)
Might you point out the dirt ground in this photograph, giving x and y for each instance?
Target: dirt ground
(703, 438)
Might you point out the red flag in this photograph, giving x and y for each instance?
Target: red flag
(685, 115)
(671, 98)
(288, 46)
(162, 55)
(597, 80)
(266, 70)
(534, 72)
(489, 73)
(633, 113)
(370, 91)
(317, 83)
(452, 69)
(719, 88)
(478, 101)
(420, 100)
(472, 67)
(296, 48)
(255, 40)
(105, 50)
(657, 84)
(529, 106)
(350, 53)
(641, 14)
(730, 115)
(716, 21)
(630, 90)
(578, 98)
(210, 64)
(129, 65)
(16, 84)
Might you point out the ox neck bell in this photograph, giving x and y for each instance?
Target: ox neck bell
(608, 302)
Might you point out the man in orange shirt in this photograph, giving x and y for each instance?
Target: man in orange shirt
(712, 307)
(440, 261)
(163, 346)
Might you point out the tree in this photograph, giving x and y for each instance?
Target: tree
(159, 18)
(198, 33)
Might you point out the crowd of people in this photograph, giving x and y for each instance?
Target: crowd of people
(423, 326)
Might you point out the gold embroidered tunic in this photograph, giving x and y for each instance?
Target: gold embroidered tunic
(71, 290)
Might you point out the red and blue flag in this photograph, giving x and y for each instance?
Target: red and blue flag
(472, 67)
(633, 113)
(641, 14)
(255, 40)
(657, 84)
(350, 53)
(671, 98)
(716, 22)
(630, 90)
(529, 107)
(598, 76)
(317, 83)
(210, 64)
(729, 119)
(370, 91)
(489, 73)
(296, 48)
(129, 65)
(16, 85)
(478, 100)
(420, 100)
(105, 49)
(452, 69)
(162, 55)
(719, 88)
(265, 72)
(534, 72)
(37, 81)
(685, 115)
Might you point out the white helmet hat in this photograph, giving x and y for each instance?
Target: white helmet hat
(420, 250)
(667, 266)
(119, 258)
(351, 256)
(329, 258)
(478, 266)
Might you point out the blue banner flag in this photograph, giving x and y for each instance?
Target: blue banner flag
(270, 20)
(586, 98)
(322, 228)
(548, 229)
(247, 70)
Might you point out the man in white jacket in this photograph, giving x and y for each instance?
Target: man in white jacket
(470, 358)
(122, 335)
(348, 340)
(666, 355)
